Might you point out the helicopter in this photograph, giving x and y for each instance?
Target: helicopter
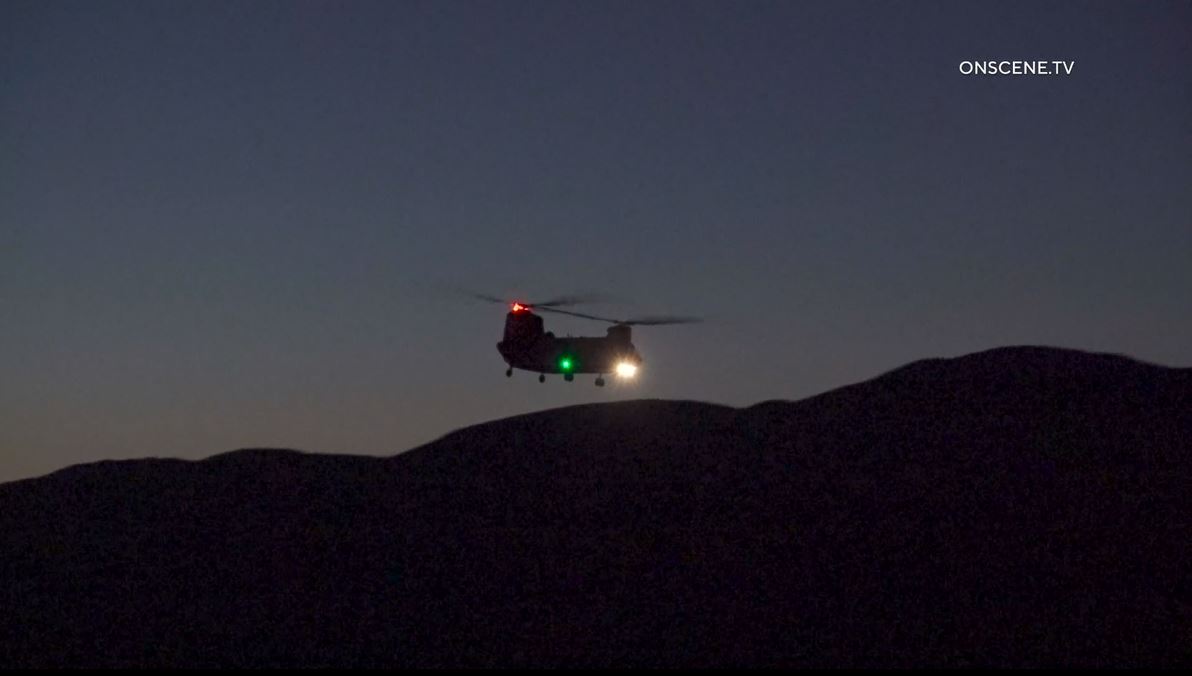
(527, 346)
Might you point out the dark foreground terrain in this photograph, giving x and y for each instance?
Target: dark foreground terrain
(1022, 506)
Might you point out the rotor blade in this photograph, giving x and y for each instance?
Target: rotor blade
(491, 299)
(477, 296)
(659, 321)
(639, 321)
(574, 314)
(576, 299)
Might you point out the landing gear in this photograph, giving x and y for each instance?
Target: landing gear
(569, 377)
(599, 381)
(509, 372)
(541, 378)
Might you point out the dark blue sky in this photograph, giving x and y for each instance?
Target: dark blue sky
(231, 224)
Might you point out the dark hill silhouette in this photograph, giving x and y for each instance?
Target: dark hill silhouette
(1021, 506)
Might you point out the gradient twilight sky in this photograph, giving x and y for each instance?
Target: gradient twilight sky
(230, 224)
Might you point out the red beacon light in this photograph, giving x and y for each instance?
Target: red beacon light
(518, 307)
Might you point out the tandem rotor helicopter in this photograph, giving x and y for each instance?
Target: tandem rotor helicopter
(527, 346)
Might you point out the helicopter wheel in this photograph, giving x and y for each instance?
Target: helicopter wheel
(599, 382)
(509, 372)
(569, 377)
(541, 378)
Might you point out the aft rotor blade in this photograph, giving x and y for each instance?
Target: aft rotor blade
(640, 321)
(491, 299)
(659, 321)
(574, 314)
(463, 291)
(576, 299)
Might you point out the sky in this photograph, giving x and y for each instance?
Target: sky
(238, 224)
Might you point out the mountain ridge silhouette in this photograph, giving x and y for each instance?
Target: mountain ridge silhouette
(1021, 506)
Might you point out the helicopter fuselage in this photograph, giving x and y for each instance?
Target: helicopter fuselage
(527, 346)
